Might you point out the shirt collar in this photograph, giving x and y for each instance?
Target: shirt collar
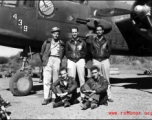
(99, 39)
(97, 78)
(73, 40)
(53, 42)
(49, 40)
(65, 79)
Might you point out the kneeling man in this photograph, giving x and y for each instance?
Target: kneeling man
(95, 90)
(64, 88)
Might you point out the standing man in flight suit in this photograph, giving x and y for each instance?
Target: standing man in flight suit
(75, 53)
(100, 48)
(52, 53)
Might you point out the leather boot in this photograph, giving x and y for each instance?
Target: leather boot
(86, 105)
(94, 104)
(58, 104)
(45, 102)
(66, 103)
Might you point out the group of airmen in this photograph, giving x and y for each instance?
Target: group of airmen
(59, 82)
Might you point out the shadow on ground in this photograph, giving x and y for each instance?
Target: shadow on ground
(135, 83)
(37, 87)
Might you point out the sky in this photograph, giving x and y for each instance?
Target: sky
(8, 51)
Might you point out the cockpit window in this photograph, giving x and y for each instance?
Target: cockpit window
(29, 3)
(80, 1)
(15, 3)
(26, 3)
(11, 3)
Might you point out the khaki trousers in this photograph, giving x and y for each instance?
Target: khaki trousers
(105, 71)
(80, 67)
(50, 75)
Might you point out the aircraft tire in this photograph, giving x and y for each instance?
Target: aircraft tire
(20, 85)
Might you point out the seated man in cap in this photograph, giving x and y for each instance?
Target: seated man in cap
(51, 54)
(64, 88)
(95, 90)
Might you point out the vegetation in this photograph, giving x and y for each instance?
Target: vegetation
(4, 60)
(14, 63)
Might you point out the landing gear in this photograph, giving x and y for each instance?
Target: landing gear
(21, 83)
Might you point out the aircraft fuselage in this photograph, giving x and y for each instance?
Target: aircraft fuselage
(28, 23)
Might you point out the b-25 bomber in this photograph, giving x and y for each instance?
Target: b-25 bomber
(26, 24)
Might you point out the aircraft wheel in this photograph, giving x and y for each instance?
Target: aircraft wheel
(20, 85)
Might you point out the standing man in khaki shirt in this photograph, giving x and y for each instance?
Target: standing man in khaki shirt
(52, 53)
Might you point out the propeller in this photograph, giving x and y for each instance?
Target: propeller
(141, 10)
(144, 11)
(142, 16)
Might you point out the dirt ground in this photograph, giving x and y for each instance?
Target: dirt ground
(132, 95)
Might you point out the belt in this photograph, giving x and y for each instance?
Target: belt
(54, 56)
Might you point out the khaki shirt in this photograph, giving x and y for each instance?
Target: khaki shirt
(55, 47)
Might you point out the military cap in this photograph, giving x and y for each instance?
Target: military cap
(55, 29)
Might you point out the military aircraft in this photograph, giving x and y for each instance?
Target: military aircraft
(26, 24)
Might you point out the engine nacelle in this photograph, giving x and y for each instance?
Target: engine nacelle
(142, 19)
(142, 9)
(93, 22)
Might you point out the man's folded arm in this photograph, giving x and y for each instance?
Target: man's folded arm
(102, 88)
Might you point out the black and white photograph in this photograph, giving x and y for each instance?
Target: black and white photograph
(75, 59)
